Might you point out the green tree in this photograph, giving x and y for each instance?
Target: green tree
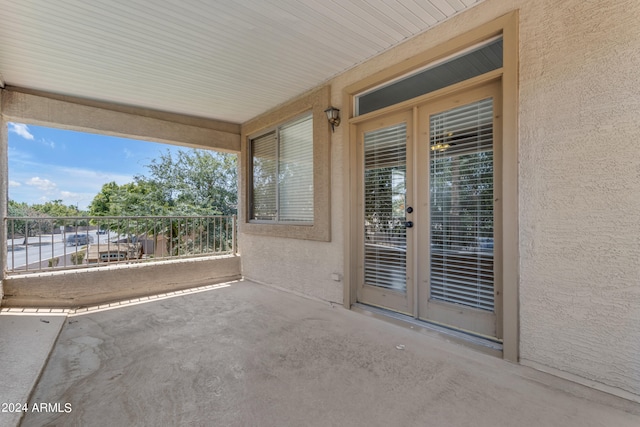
(101, 203)
(195, 182)
(140, 198)
(188, 183)
(22, 227)
(20, 209)
(39, 217)
(57, 209)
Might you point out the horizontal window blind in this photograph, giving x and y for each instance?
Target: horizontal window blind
(461, 187)
(384, 207)
(296, 172)
(263, 151)
(282, 180)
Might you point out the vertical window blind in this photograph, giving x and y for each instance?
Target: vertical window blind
(461, 194)
(384, 207)
(282, 183)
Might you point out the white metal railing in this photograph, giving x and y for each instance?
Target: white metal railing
(55, 243)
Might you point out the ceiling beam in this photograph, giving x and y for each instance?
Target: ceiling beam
(114, 120)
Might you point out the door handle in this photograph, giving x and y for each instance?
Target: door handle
(408, 224)
(409, 209)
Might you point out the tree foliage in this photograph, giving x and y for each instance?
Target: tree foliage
(187, 183)
(193, 182)
(52, 208)
(39, 225)
(57, 209)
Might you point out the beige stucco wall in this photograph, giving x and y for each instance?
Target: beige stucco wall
(579, 187)
(302, 266)
(85, 287)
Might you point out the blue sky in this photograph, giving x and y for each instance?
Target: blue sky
(48, 164)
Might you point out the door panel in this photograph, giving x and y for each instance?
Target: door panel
(384, 144)
(456, 197)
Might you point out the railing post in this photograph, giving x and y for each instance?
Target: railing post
(233, 235)
(4, 251)
(4, 193)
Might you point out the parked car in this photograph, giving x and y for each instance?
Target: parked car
(79, 240)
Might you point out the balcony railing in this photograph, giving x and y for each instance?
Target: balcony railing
(37, 244)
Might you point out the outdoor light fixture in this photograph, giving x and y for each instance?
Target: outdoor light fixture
(333, 115)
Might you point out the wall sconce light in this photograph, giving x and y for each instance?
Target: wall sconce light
(333, 115)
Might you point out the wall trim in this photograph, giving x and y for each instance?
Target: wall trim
(592, 384)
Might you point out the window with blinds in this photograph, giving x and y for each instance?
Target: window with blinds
(384, 207)
(461, 192)
(282, 173)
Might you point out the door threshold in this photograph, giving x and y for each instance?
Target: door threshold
(485, 345)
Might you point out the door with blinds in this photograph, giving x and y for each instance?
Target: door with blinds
(430, 226)
(458, 193)
(385, 146)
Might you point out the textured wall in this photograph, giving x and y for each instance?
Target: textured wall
(580, 189)
(76, 288)
(302, 266)
(579, 186)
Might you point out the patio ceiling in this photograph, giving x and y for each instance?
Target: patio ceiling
(225, 60)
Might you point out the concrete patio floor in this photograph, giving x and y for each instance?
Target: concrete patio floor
(249, 355)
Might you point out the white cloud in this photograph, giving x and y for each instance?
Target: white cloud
(72, 185)
(42, 184)
(82, 200)
(20, 129)
(18, 156)
(69, 195)
(127, 153)
(48, 143)
(79, 176)
(14, 184)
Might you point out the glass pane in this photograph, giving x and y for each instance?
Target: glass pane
(471, 64)
(296, 172)
(263, 201)
(461, 187)
(384, 207)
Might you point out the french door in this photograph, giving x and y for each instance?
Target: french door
(385, 145)
(430, 224)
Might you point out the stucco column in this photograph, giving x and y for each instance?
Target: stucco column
(4, 193)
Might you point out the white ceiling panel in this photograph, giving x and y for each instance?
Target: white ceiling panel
(228, 59)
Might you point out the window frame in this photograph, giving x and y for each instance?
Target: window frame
(315, 102)
(250, 146)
